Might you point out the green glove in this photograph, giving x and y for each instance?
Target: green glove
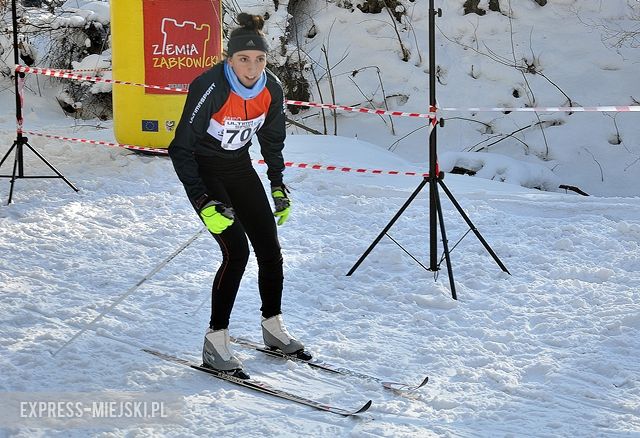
(216, 216)
(281, 202)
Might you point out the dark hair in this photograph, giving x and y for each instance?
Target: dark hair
(250, 22)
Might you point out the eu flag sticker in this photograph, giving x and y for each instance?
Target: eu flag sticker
(150, 126)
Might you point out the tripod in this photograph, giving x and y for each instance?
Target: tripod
(434, 179)
(21, 141)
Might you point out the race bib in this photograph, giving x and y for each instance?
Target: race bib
(237, 133)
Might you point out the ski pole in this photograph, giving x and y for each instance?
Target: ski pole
(130, 291)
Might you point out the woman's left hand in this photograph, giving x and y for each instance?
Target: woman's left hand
(282, 203)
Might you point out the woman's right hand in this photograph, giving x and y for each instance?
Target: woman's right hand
(217, 216)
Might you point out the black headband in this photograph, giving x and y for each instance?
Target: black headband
(246, 41)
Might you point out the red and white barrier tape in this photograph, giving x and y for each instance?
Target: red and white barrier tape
(98, 142)
(20, 120)
(358, 109)
(70, 75)
(349, 169)
(63, 74)
(611, 108)
(555, 109)
(80, 70)
(287, 163)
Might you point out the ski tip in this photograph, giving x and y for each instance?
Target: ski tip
(364, 408)
(403, 387)
(346, 413)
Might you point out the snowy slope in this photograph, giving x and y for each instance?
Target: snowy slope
(547, 351)
(550, 350)
(567, 43)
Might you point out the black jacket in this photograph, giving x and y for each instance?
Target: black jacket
(210, 98)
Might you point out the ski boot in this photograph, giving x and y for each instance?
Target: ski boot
(276, 337)
(217, 355)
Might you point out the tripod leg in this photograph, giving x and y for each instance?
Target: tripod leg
(60, 175)
(388, 227)
(445, 245)
(13, 175)
(473, 227)
(7, 154)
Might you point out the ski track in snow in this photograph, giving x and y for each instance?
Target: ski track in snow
(550, 350)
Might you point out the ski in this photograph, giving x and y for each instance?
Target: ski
(320, 364)
(260, 386)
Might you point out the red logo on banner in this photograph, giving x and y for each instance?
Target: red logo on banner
(182, 39)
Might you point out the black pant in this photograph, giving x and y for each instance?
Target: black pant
(235, 183)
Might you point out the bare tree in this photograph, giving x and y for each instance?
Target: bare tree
(619, 34)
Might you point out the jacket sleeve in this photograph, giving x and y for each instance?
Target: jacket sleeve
(190, 130)
(272, 135)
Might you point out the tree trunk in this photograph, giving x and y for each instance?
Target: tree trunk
(472, 6)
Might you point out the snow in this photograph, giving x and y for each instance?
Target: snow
(565, 41)
(550, 350)
(500, 168)
(96, 65)
(75, 14)
(89, 10)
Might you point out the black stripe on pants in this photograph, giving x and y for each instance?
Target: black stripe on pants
(236, 183)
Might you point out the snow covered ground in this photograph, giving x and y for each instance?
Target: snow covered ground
(567, 43)
(551, 350)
